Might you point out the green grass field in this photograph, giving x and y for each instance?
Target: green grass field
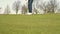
(30, 24)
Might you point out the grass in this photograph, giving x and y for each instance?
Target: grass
(30, 24)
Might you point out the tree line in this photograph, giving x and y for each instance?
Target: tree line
(48, 7)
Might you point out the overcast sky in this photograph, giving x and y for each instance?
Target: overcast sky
(5, 2)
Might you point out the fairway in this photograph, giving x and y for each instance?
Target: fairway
(30, 24)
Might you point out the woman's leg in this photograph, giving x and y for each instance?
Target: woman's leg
(30, 5)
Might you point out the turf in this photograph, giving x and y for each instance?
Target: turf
(30, 24)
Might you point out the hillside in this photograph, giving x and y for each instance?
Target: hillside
(30, 24)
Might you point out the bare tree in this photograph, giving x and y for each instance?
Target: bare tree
(43, 6)
(35, 11)
(36, 6)
(16, 6)
(24, 9)
(7, 10)
(52, 5)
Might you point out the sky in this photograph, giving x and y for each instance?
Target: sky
(7, 2)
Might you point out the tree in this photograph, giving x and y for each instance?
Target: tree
(7, 10)
(35, 10)
(52, 5)
(43, 6)
(40, 5)
(36, 6)
(24, 9)
(16, 6)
